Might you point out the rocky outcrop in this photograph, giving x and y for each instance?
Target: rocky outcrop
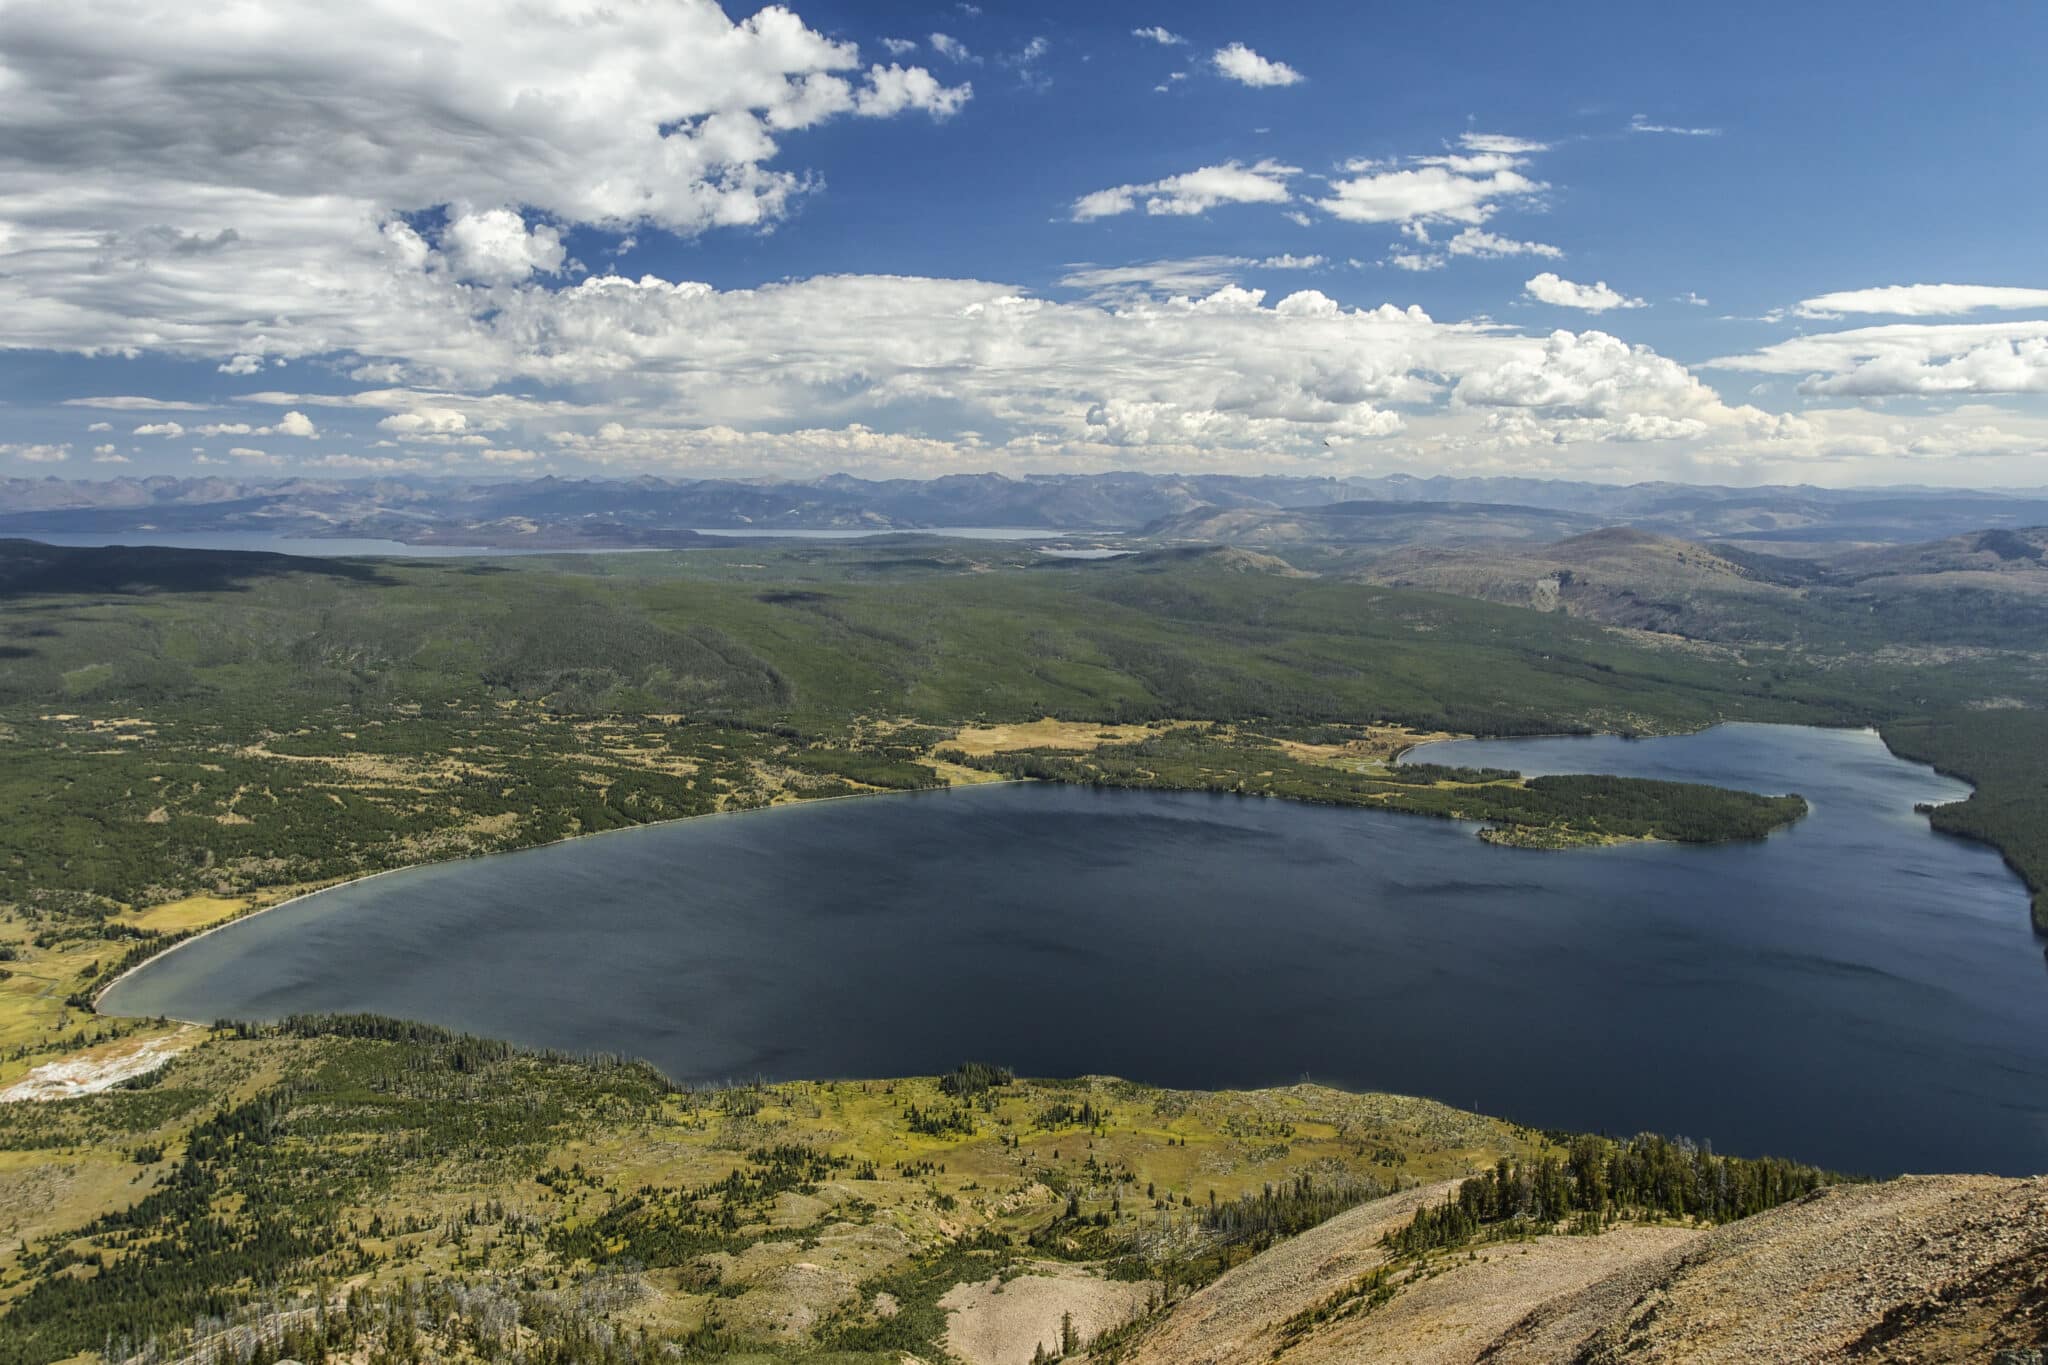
(1925, 1269)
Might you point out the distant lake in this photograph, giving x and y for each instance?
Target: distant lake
(863, 532)
(1856, 990)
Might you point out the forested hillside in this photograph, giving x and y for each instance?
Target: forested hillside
(185, 722)
(198, 722)
(2005, 753)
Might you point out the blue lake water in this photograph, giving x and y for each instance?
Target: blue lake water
(1856, 990)
(863, 532)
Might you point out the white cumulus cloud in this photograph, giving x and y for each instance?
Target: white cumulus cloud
(1466, 186)
(1922, 300)
(1479, 242)
(1597, 297)
(1239, 63)
(251, 182)
(892, 89)
(1197, 191)
(36, 454)
(1910, 359)
(496, 247)
(426, 421)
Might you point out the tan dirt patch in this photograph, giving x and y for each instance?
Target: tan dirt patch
(998, 1322)
(982, 740)
(959, 775)
(1379, 744)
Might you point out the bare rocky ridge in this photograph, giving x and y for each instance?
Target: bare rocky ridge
(1236, 1318)
(1924, 1269)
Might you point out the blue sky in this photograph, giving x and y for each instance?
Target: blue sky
(1742, 244)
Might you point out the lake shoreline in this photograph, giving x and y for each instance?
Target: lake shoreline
(1045, 919)
(100, 992)
(1395, 759)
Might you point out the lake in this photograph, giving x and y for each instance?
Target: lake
(865, 532)
(1856, 990)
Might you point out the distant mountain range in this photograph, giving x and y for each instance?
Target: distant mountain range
(595, 513)
(1628, 577)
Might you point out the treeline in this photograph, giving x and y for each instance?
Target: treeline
(170, 1258)
(970, 1080)
(433, 1319)
(1257, 1221)
(935, 1122)
(891, 771)
(1600, 1181)
(464, 1053)
(1636, 807)
(2004, 753)
(1582, 807)
(267, 1192)
(201, 809)
(664, 1226)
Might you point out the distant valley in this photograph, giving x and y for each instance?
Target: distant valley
(1269, 510)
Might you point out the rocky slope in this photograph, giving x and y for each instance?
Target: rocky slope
(1923, 1269)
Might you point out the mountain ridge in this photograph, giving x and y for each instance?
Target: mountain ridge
(645, 508)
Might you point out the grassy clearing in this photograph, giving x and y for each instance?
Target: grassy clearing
(1047, 733)
(190, 912)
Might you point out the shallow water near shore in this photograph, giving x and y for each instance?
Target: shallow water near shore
(1856, 990)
